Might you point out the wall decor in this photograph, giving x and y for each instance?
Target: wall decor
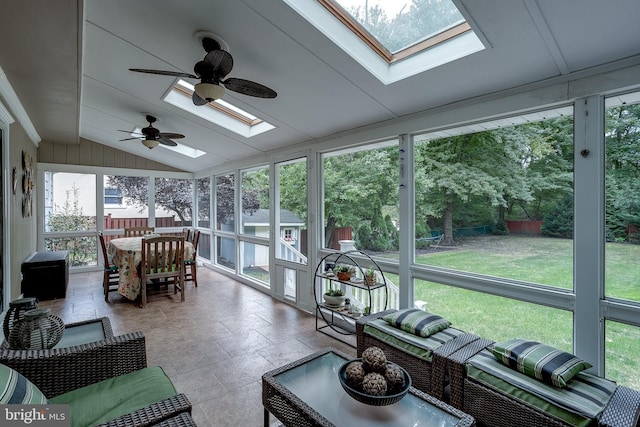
(14, 180)
(27, 184)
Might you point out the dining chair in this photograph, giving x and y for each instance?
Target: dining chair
(162, 258)
(191, 266)
(138, 231)
(187, 234)
(111, 272)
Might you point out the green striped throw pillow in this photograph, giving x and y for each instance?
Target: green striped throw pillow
(16, 389)
(540, 361)
(417, 322)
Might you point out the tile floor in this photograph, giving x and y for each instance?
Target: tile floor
(215, 346)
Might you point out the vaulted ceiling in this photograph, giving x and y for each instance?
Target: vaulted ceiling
(68, 62)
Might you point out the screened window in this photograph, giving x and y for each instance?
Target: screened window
(292, 213)
(203, 196)
(225, 202)
(174, 202)
(361, 198)
(622, 201)
(255, 202)
(132, 210)
(69, 208)
(498, 202)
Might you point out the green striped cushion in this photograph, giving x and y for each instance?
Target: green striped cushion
(417, 322)
(16, 389)
(539, 361)
(422, 348)
(577, 404)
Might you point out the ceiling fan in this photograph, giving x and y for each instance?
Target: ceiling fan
(211, 71)
(152, 136)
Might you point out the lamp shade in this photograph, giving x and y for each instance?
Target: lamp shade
(209, 91)
(150, 143)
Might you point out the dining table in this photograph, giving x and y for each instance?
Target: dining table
(126, 254)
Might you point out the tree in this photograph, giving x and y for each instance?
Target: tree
(176, 195)
(622, 134)
(359, 187)
(466, 168)
(69, 217)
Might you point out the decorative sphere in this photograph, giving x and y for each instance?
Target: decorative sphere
(355, 374)
(374, 384)
(374, 360)
(395, 378)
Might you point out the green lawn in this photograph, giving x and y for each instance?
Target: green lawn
(540, 260)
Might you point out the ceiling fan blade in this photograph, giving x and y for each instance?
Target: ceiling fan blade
(247, 87)
(129, 131)
(164, 73)
(221, 61)
(129, 139)
(166, 141)
(197, 100)
(170, 135)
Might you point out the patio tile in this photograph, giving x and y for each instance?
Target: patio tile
(215, 346)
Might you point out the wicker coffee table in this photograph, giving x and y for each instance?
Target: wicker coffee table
(307, 392)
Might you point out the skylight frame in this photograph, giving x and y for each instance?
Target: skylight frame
(359, 30)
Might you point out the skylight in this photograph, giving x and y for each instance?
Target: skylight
(393, 39)
(218, 112)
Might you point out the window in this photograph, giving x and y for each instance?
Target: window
(361, 198)
(292, 213)
(621, 354)
(219, 112)
(70, 208)
(392, 39)
(255, 202)
(501, 198)
(203, 197)
(174, 202)
(112, 196)
(493, 316)
(622, 201)
(132, 193)
(392, 28)
(225, 202)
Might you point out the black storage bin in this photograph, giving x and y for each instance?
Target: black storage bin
(45, 275)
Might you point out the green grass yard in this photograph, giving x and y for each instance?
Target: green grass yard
(539, 260)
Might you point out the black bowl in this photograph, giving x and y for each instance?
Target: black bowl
(373, 400)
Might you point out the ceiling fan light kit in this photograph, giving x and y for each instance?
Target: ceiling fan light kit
(152, 137)
(209, 91)
(211, 72)
(150, 143)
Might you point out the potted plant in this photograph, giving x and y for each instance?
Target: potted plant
(334, 296)
(344, 272)
(370, 276)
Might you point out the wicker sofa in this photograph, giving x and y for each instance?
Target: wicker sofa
(57, 372)
(448, 368)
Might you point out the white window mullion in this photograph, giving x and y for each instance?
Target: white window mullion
(589, 226)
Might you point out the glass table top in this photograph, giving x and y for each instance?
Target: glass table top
(316, 383)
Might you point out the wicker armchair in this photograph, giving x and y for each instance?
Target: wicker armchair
(58, 371)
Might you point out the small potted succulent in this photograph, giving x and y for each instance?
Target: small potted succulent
(334, 296)
(370, 276)
(344, 272)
